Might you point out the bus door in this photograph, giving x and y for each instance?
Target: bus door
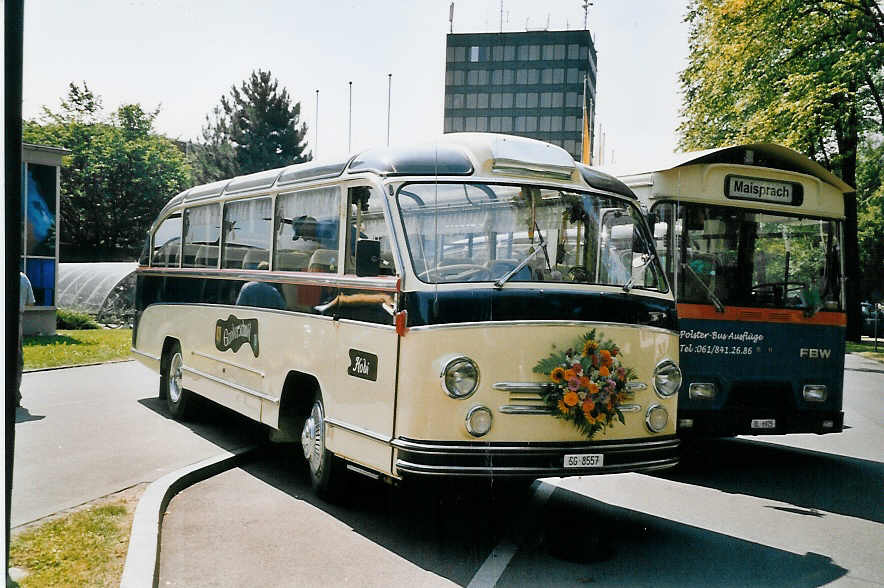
(366, 349)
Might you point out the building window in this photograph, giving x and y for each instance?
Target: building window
(481, 123)
(506, 125)
(546, 76)
(457, 101)
(533, 52)
(560, 52)
(572, 75)
(571, 100)
(522, 77)
(548, 52)
(521, 100)
(495, 124)
(449, 54)
(584, 53)
(530, 124)
(448, 127)
(533, 76)
(459, 54)
(449, 77)
(557, 98)
(482, 100)
(558, 76)
(457, 123)
(497, 53)
(544, 123)
(573, 51)
(532, 100)
(509, 53)
(495, 101)
(508, 77)
(523, 53)
(506, 100)
(546, 100)
(496, 77)
(471, 101)
(474, 53)
(570, 123)
(39, 220)
(520, 124)
(555, 124)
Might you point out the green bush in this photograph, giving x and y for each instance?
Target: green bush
(73, 320)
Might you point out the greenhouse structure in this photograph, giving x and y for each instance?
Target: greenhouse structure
(105, 290)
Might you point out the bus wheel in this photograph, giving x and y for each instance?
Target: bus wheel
(320, 461)
(178, 400)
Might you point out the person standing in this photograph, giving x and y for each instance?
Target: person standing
(26, 297)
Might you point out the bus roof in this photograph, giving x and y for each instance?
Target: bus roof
(454, 154)
(758, 154)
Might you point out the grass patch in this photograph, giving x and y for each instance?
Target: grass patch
(85, 548)
(76, 347)
(867, 349)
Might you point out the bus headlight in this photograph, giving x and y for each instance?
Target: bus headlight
(815, 393)
(667, 378)
(657, 418)
(478, 421)
(460, 377)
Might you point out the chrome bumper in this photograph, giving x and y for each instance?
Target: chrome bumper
(529, 460)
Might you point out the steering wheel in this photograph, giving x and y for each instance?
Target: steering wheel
(459, 272)
(779, 290)
(578, 274)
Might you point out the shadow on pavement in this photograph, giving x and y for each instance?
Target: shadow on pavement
(800, 477)
(23, 415)
(451, 528)
(220, 425)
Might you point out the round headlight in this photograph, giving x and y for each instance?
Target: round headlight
(460, 377)
(478, 421)
(657, 418)
(667, 378)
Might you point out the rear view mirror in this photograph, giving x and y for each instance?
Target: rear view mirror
(368, 257)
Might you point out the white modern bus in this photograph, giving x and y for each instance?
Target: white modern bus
(453, 309)
(751, 239)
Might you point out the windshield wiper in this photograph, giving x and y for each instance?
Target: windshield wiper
(506, 278)
(715, 301)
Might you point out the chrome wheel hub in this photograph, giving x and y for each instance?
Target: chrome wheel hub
(175, 377)
(311, 438)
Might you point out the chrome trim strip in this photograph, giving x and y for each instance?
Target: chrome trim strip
(236, 365)
(523, 409)
(367, 324)
(479, 448)
(359, 470)
(521, 387)
(630, 408)
(229, 384)
(358, 430)
(540, 323)
(145, 354)
(540, 472)
(634, 386)
(241, 309)
(302, 278)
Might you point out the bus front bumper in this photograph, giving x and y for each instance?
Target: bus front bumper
(532, 460)
(757, 422)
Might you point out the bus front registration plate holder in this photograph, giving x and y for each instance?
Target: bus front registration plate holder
(763, 424)
(584, 460)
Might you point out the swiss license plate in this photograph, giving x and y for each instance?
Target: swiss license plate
(763, 424)
(585, 460)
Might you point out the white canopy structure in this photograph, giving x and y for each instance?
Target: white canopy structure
(106, 290)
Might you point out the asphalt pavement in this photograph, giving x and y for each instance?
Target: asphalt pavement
(91, 431)
(799, 510)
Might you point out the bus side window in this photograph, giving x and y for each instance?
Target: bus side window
(167, 242)
(247, 225)
(202, 232)
(307, 230)
(365, 220)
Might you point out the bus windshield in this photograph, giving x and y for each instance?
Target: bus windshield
(733, 256)
(480, 232)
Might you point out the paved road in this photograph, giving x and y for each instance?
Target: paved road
(802, 510)
(90, 431)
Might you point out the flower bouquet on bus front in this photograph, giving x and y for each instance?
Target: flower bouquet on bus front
(587, 383)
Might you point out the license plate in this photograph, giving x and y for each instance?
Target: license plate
(763, 424)
(585, 460)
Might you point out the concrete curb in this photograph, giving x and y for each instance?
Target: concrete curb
(142, 559)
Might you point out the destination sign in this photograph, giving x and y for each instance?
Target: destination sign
(743, 188)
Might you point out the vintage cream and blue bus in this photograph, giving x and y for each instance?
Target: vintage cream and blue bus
(751, 239)
(453, 309)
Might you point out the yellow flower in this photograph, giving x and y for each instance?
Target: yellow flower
(562, 408)
(589, 347)
(557, 375)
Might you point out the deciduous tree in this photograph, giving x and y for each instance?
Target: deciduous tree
(117, 178)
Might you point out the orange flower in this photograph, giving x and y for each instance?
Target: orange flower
(606, 357)
(604, 372)
(589, 418)
(585, 383)
(570, 375)
(593, 388)
(589, 347)
(571, 399)
(562, 408)
(557, 375)
(588, 405)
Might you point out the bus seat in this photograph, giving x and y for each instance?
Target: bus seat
(292, 261)
(253, 257)
(323, 260)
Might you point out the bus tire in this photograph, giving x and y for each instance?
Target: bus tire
(178, 400)
(321, 463)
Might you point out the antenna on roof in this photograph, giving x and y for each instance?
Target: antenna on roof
(586, 5)
(451, 18)
(501, 16)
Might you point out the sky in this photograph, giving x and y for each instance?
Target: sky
(183, 55)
